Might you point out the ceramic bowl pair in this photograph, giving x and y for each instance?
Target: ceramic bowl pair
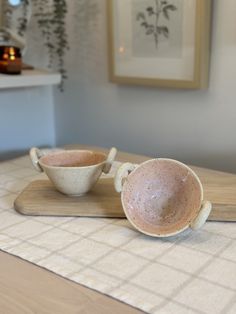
(160, 197)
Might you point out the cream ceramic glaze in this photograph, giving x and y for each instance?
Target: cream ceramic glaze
(73, 172)
(161, 197)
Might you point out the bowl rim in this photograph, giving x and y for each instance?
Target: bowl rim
(72, 151)
(188, 223)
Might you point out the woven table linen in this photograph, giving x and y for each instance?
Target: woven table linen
(194, 272)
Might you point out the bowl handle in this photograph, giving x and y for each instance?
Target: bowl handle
(110, 158)
(202, 216)
(121, 174)
(35, 154)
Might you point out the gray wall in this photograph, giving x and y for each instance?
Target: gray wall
(26, 119)
(197, 127)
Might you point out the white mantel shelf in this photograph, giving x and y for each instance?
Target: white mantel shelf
(29, 78)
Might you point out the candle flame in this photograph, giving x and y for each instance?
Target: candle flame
(12, 51)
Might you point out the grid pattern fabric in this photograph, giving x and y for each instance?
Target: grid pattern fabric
(194, 272)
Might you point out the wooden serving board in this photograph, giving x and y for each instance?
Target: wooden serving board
(41, 198)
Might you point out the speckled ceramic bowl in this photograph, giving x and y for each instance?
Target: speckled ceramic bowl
(73, 172)
(161, 197)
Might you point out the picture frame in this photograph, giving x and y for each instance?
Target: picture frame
(169, 50)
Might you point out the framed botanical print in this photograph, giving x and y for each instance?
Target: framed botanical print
(159, 42)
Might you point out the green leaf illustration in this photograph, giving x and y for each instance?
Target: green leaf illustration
(140, 16)
(151, 22)
(149, 31)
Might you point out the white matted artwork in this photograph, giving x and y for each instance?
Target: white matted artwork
(159, 42)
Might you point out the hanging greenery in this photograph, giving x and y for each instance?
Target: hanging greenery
(51, 20)
(22, 20)
(7, 14)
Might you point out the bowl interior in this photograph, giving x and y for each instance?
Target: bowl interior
(74, 158)
(162, 196)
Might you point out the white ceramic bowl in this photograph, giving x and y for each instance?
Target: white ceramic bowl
(73, 172)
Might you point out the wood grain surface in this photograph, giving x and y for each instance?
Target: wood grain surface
(28, 289)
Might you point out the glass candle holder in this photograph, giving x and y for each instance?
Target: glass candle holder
(10, 60)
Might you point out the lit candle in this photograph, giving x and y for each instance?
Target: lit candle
(10, 60)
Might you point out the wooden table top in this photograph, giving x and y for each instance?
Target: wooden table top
(26, 288)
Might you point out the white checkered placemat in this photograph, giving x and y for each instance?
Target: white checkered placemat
(194, 272)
